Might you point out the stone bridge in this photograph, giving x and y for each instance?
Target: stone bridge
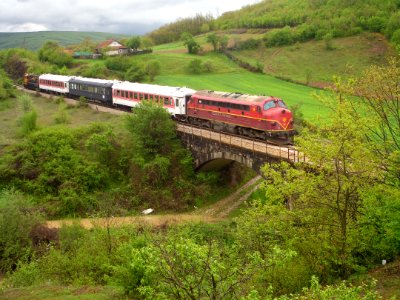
(214, 150)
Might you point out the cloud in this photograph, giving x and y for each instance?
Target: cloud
(25, 27)
(118, 16)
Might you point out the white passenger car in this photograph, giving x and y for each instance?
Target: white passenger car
(54, 83)
(173, 99)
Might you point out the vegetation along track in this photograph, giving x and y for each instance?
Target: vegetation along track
(213, 213)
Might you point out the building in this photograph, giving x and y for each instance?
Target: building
(112, 47)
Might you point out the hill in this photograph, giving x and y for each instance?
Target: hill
(34, 40)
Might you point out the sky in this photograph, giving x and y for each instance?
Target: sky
(115, 16)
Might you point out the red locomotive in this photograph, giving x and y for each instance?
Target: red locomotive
(259, 117)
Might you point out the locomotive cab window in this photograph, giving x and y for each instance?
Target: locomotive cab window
(269, 104)
(281, 104)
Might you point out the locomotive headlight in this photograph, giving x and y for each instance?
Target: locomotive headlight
(284, 119)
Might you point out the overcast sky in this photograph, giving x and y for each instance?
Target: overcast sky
(118, 16)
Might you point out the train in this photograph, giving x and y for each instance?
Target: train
(260, 117)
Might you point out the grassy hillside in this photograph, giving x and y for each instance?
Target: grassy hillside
(34, 40)
(312, 63)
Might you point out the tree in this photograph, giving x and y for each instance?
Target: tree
(152, 130)
(134, 42)
(179, 267)
(213, 40)
(153, 69)
(223, 42)
(53, 53)
(188, 40)
(147, 42)
(326, 198)
(379, 106)
(87, 44)
(15, 67)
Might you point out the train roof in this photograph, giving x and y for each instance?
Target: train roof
(232, 96)
(55, 77)
(154, 89)
(93, 81)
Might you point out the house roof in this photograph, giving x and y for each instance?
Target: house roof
(108, 43)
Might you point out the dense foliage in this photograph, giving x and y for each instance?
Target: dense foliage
(53, 53)
(173, 31)
(314, 19)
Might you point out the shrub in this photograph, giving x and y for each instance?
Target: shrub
(135, 73)
(61, 117)
(396, 37)
(279, 37)
(208, 66)
(195, 66)
(118, 63)
(28, 122)
(16, 221)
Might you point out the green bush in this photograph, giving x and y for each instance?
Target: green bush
(135, 73)
(26, 274)
(17, 218)
(28, 122)
(61, 117)
(6, 86)
(52, 52)
(279, 37)
(195, 66)
(52, 164)
(118, 63)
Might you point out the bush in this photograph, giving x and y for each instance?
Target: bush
(118, 63)
(279, 37)
(61, 117)
(195, 66)
(6, 86)
(51, 52)
(208, 66)
(28, 122)
(135, 73)
(396, 37)
(25, 275)
(17, 218)
(52, 164)
(248, 44)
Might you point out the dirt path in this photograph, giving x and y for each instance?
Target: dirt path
(213, 213)
(224, 207)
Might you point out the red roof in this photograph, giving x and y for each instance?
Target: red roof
(107, 43)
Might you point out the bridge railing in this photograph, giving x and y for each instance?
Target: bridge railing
(286, 153)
